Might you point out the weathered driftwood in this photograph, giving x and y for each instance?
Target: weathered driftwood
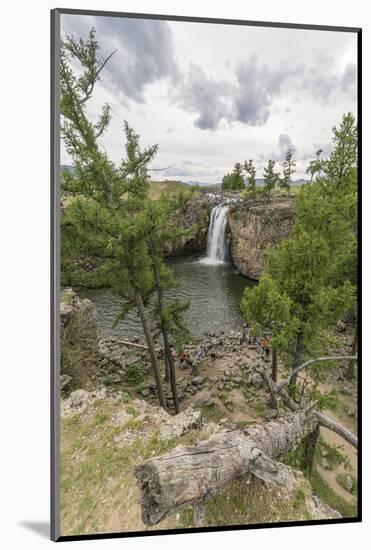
(189, 475)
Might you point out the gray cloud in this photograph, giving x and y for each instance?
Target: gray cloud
(285, 143)
(207, 97)
(257, 86)
(145, 50)
(249, 96)
(246, 99)
(146, 54)
(349, 79)
(327, 148)
(323, 81)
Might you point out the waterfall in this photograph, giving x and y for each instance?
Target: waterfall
(217, 249)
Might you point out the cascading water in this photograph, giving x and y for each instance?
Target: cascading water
(217, 249)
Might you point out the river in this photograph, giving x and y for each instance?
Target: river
(214, 291)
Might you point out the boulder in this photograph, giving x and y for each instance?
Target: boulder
(181, 423)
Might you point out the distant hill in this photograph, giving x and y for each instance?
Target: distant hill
(171, 186)
(175, 185)
(67, 168)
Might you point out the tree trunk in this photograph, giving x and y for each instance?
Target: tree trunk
(297, 362)
(310, 443)
(151, 346)
(169, 362)
(350, 370)
(167, 370)
(189, 475)
(274, 366)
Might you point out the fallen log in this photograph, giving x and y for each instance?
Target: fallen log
(190, 475)
(278, 391)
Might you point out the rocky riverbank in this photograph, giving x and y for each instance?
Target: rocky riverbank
(115, 406)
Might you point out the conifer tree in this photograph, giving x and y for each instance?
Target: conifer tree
(288, 170)
(104, 221)
(268, 311)
(315, 166)
(343, 158)
(169, 315)
(235, 180)
(271, 178)
(250, 170)
(314, 272)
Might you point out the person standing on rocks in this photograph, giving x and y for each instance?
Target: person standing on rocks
(265, 346)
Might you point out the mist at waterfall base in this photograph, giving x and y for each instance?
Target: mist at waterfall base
(209, 282)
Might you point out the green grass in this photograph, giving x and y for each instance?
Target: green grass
(66, 297)
(259, 407)
(133, 375)
(324, 491)
(247, 501)
(213, 413)
(97, 474)
(168, 186)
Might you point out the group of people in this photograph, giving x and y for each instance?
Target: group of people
(187, 361)
(192, 362)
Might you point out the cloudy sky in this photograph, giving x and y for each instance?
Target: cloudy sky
(211, 95)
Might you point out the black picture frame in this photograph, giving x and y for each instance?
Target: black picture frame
(55, 269)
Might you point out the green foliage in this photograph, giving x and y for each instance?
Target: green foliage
(250, 170)
(110, 218)
(271, 178)
(315, 166)
(340, 166)
(133, 374)
(310, 279)
(288, 170)
(324, 399)
(235, 180)
(324, 491)
(257, 194)
(267, 310)
(334, 455)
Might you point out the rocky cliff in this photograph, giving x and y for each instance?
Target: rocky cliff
(79, 340)
(193, 217)
(252, 228)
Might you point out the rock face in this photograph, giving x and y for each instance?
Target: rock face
(194, 217)
(253, 227)
(79, 340)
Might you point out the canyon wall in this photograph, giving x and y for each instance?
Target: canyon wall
(252, 228)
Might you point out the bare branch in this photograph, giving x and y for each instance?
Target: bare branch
(313, 362)
(331, 424)
(160, 169)
(95, 78)
(324, 420)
